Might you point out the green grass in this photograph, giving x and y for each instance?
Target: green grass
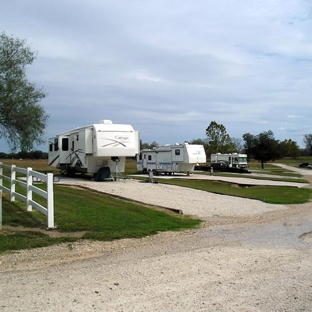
(28, 240)
(97, 216)
(294, 161)
(15, 215)
(273, 176)
(108, 218)
(286, 161)
(274, 170)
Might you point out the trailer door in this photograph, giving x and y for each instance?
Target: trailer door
(164, 161)
(64, 149)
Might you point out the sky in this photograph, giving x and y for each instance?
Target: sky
(170, 67)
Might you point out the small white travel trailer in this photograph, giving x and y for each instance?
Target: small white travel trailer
(224, 161)
(97, 149)
(168, 159)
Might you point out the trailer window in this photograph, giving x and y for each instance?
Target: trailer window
(51, 147)
(65, 144)
(177, 152)
(56, 147)
(149, 157)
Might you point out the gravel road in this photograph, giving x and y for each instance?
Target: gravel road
(247, 256)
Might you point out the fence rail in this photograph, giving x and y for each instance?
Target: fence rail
(26, 182)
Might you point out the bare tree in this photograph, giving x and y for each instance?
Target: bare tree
(307, 139)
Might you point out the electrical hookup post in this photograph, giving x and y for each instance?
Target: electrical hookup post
(151, 176)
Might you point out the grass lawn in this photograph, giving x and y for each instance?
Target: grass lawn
(92, 215)
(101, 217)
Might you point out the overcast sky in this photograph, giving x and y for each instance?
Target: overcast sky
(170, 67)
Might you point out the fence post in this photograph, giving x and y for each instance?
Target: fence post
(28, 189)
(1, 172)
(13, 176)
(50, 200)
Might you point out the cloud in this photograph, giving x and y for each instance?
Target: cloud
(169, 116)
(169, 68)
(294, 117)
(144, 75)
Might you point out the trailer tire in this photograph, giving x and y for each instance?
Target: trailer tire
(102, 174)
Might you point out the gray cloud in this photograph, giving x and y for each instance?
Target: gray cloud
(171, 67)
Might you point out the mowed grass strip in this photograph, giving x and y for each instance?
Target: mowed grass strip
(29, 239)
(106, 218)
(25, 228)
(95, 216)
(268, 194)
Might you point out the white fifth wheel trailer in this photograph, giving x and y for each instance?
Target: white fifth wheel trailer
(168, 159)
(224, 161)
(97, 149)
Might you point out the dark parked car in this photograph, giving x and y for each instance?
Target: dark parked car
(304, 165)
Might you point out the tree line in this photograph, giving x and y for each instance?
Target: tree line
(34, 155)
(262, 147)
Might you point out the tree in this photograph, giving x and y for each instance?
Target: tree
(22, 118)
(149, 146)
(263, 147)
(218, 141)
(307, 139)
(198, 142)
(289, 148)
(238, 144)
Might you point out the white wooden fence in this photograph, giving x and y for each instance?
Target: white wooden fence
(26, 182)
